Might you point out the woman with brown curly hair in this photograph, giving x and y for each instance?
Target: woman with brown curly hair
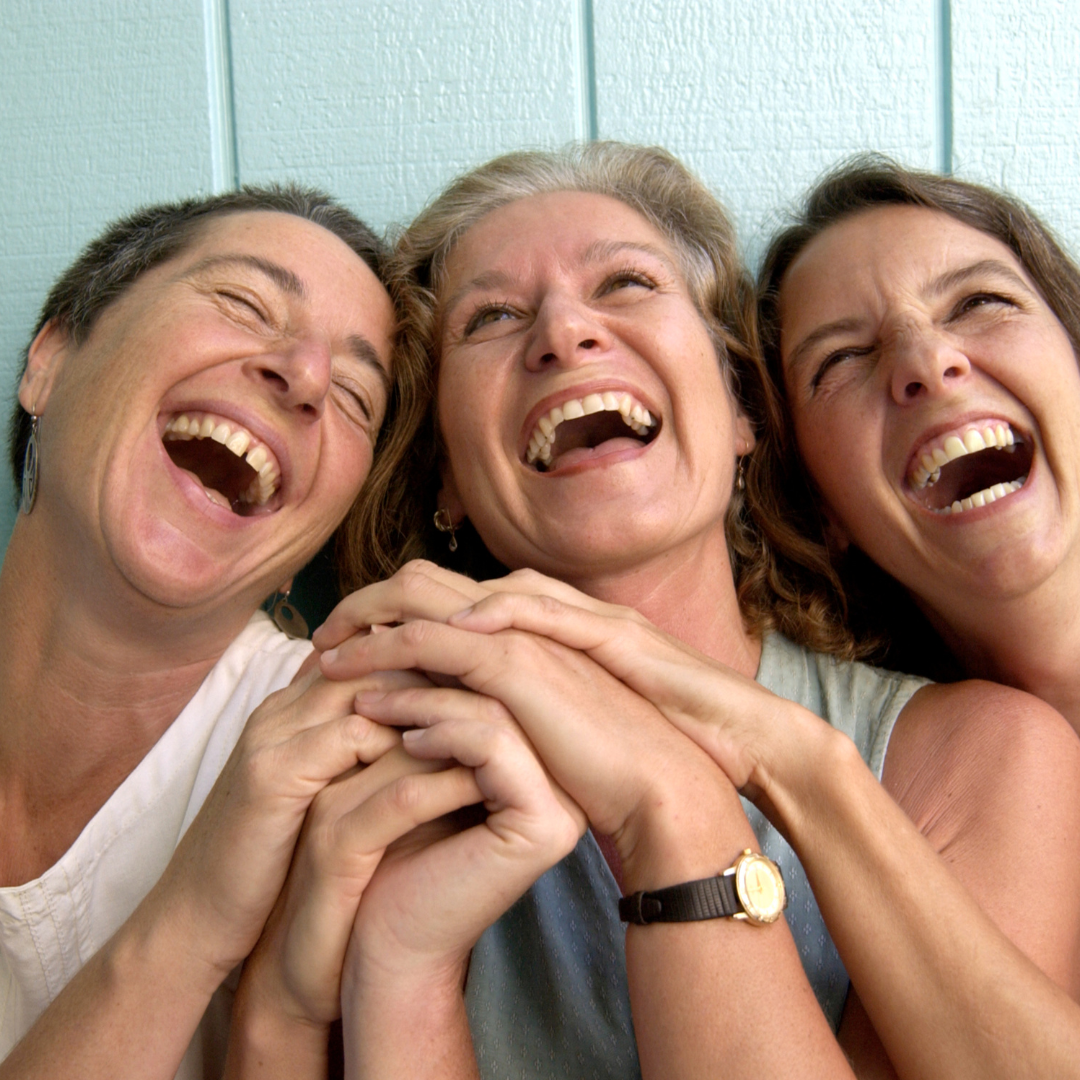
(601, 414)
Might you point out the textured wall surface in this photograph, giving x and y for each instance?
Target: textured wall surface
(110, 103)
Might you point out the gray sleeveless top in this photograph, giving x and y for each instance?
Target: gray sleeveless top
(547, 994)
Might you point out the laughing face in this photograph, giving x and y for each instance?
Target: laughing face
(219, 419)
(586, 420)
(935, 397)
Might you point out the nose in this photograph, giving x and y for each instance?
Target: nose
(926, 363)
(297, 375)
(566, 332)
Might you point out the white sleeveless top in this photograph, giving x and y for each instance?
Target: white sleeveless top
(51, 926)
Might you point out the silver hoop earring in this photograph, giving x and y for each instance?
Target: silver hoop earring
(287, 618)
(30, 468)
(444, 523)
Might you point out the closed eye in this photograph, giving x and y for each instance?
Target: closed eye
(243, 305)
(839, 356)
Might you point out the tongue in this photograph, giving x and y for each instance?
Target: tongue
(578, 454)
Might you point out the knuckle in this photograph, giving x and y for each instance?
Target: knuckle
(405, 794)
(415, 578)
(415, 633)
(492, 711)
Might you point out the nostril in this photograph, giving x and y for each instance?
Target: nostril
(912, 389)
(952, 373)
(273, 377)
(588, 343)
(547, 358)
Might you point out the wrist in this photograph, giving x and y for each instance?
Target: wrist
(693, 828)
(262, 1035)
(804, 790)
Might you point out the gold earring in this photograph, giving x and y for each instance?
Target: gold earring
(740, 471)
(444, 523)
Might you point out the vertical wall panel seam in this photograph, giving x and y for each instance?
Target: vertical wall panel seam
(224, 158)
(944, 63)
(587, 125)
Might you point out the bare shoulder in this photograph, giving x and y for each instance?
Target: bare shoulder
(991, 777)
(980, 738)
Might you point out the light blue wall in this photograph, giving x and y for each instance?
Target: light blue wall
(105, 104)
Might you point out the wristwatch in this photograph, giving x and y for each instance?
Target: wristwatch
(752, 889)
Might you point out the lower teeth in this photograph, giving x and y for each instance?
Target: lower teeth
(983, 498)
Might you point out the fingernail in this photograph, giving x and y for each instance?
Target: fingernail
(412, 734)
(369, 697)
(463, 614)
(329, 657)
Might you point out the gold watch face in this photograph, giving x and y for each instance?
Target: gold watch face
(760, 888)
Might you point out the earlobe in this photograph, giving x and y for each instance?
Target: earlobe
(745, 439)
(448, 498)
(43, 362)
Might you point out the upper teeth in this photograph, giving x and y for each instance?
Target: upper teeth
(241, 442)
(928, 471)
(634, 415)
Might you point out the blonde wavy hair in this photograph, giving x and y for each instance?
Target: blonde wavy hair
(782, 582)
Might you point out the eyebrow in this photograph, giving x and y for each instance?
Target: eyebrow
(280, 275)
(597, 251)
(365, 353)
(994, 267)
(937, 287)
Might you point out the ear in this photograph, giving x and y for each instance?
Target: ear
(44, 359)
(745, 439)
(448, 495)
(286, 587)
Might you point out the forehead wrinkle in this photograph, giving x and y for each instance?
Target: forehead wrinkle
(280, 275)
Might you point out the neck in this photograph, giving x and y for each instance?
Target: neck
(689, 594)
(91, 675)
(1031, 642)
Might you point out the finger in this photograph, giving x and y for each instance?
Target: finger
(480, 732)
(346, 792)
(628, 646)
(418, 590)
(406, 802)
(422, 708)
(533, 583)
(428, 646)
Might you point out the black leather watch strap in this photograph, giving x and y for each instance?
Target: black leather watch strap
(706, 898)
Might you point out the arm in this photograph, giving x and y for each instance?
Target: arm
(674, 816)
(133, 1008)
(990, 775)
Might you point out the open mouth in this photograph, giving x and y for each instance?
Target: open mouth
(970, 467)
(234, 468)
(585, 427)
